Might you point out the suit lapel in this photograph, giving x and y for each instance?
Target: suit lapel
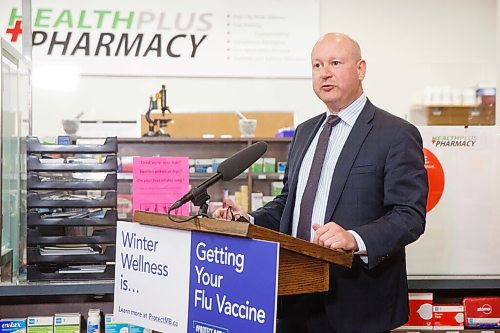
(302, 149)
(358, 134)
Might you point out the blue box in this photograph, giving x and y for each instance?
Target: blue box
(16, 325)
(63, 140)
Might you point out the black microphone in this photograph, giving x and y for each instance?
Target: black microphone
(227, 170)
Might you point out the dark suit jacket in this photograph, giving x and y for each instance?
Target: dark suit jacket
(379, 189)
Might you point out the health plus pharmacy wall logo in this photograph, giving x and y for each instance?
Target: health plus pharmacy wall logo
(454, 141)
(15, 31)
(123, 32)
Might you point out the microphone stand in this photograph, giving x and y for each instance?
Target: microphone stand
(200, 198)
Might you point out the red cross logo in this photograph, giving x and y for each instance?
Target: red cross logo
(16, 31)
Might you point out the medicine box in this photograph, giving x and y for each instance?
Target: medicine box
(258, 166)
(138, 329)
(203, 165)
(15, 325)
(44, 324)
(276, 188)
(482, 311)
(216, 162)
(111, 326)
(256, 200)
(67, 322)
(448, 317)
(281, 167)
(269, 164)
(420, 312)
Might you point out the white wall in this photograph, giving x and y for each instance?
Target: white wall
(407, 44)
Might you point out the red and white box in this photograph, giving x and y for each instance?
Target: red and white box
(420, 312)
(482, 312)
(448, 317)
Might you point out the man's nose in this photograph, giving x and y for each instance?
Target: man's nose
(326, 72)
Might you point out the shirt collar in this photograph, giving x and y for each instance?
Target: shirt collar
(352, 111)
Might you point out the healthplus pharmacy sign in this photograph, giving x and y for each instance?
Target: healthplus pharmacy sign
(172, 38)
(179, 281)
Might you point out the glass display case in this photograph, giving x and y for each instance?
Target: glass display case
(15, 124)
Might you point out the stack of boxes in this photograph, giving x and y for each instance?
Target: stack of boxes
(473, 313)
(241, 197)
(64, 323)
(262, 168)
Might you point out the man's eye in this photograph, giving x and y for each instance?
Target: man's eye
(336, 63)
(316, 66)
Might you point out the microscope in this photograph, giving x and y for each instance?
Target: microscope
(157, 126)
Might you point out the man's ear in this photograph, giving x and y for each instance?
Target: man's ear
(361, 69)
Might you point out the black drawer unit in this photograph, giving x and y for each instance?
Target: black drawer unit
(72, 201)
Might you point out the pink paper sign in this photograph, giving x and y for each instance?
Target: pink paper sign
(158, 182)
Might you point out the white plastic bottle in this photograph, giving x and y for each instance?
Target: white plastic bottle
(94, 321)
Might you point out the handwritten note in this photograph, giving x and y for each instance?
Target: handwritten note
(158, 182)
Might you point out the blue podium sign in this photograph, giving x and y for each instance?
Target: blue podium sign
(179, 281)
(232, 284)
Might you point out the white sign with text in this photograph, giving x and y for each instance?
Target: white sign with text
(217, 38)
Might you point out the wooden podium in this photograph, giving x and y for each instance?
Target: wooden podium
(303, 266)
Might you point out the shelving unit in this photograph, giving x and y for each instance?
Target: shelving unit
(96, 233)
(453, 115)
(200, 149)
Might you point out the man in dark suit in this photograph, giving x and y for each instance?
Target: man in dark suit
(355, 180)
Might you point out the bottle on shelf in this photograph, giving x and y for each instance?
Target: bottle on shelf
(94, 321)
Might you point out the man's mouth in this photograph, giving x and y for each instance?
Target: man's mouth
(327, 87)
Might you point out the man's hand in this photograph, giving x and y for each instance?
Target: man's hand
(334, 237)
(232, 212)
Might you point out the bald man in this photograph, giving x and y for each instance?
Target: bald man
(355, 180)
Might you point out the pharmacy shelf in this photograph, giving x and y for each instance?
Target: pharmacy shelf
(57, 288)
(107, 287)
(454, 282)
